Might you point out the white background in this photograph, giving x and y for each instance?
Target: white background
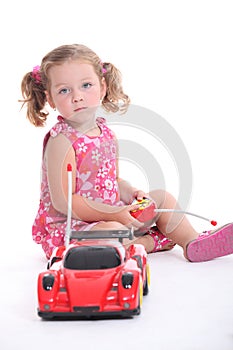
(176, 59)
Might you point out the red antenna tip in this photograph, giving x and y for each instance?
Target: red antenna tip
(69, 167)
(214, 223)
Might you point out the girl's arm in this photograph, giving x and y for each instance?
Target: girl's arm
(58, 154)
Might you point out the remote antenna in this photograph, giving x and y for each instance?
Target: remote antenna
(69, 205)
(213, 222)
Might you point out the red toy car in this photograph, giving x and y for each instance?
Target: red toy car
(94, 276)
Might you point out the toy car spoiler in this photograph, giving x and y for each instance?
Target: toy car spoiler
(100, 234)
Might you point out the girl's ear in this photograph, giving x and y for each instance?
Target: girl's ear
(103, 87)
(49, 100)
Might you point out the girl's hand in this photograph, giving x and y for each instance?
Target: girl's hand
(129, 193)
(139, 195)
(124, 217)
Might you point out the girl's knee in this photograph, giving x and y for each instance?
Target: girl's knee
(161, 196)
(109, 225)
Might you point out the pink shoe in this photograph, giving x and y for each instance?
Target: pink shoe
(159, 239)
(211, 244)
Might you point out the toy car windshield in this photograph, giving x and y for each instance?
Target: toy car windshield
(92, 258)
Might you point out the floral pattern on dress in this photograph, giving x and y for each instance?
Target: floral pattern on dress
(95, 180)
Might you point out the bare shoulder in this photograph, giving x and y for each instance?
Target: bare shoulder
(58, 148)
(57, 144)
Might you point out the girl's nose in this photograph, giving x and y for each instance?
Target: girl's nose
(77, 98)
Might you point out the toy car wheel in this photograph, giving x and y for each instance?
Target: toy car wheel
(147, 281)
(140, 297)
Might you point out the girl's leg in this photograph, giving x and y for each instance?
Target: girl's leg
(147, 241)
(196, 247)
(114, 225)
(173, 225)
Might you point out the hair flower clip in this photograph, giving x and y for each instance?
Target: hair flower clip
(36, 74)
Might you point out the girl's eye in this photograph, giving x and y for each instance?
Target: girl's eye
(86, 85)
(64, 91)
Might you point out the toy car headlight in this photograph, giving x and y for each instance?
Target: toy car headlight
(127, 280)
(48, 281)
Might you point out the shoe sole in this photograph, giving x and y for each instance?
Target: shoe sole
(217, 244)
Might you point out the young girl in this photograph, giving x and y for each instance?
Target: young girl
(74, 81)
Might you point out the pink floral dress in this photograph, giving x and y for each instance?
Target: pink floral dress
(95, 179)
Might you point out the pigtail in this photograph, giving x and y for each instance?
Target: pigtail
(115, 99)
(34, 98)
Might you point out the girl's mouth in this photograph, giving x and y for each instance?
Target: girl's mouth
(79, 109)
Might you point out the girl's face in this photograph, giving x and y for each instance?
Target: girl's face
(75, 90)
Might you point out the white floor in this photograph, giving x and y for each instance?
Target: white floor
(189, 306)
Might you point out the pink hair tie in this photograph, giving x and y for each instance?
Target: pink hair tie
(104, 70)
(36, 74)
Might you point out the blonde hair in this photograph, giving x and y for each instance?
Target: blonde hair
(33, 85)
